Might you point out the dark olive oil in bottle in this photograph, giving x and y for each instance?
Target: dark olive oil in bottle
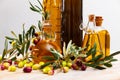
(71, 19)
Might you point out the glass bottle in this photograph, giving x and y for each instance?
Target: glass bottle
(48, 33)
(53, 7)
(99, 35)
(102, 38)
(89, 30)
(71, 19)
(42, 48)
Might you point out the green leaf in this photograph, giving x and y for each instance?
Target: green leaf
(40, 25)
(23, 49)
(38, 8)
(18, 49)
(9, 38)
(3, 54)
(108, 64)
(40, 4)
(13, 59)
(115, 53)
(89, 52)
(56, 54)
(27, 46)
(112, 60)
(31, 31)
(46, 15)
(90, 65)
(20, 38)
(26, 35)
(46, 64)
(50, 58)
(108, 57)
(6, 44)
(14, 34)
(100, 67)
(69, 46)
(97, 58)
(33, 9)
(23, 35)
(94, 50)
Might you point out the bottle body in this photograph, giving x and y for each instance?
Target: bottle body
(53, 7)
(101, 37)
(89, 32)
(65, 16)
(71, 19)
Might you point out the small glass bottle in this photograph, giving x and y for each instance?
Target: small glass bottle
(89, 30)
(102, 38)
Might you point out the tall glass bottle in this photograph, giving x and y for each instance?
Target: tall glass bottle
(53, 7)
(71, 19)
(69, 13)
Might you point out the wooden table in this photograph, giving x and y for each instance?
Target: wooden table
(90, 74)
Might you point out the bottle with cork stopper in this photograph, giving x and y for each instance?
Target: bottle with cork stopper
(89, 29)
(102, 38)
(96, 34)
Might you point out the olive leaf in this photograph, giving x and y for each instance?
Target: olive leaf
(97, 57)
(56, 54)
(13, 33)
(20, 38)
(40, 25)
(92, 51)
(50, 58)
(46, 64)
(40, 9)
(21, 43)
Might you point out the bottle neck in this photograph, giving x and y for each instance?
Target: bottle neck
(91, 24)
(98, 23)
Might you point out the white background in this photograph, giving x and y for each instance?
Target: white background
(14, 13)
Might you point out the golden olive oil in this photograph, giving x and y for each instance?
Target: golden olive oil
(101, 37)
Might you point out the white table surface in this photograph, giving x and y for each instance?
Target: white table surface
(90, 74)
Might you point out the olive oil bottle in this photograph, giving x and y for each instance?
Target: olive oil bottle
(71, 19)
(97, 34)
(89, 31)
(53, 7)
(102, 37)
(65, 17)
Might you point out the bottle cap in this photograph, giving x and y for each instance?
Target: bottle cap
(91, 17)
(98, 20)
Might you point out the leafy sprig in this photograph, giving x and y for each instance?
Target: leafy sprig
(74, 51)
(20, 44)
(97, 61)
(71, 50)
(40, 9)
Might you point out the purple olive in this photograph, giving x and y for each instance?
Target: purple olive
(27, 69)
(36, 34)
(83, 67)
(74, 66)
(2, 67)
(15, 63)
(79, 62)
(35, 41)
(10, 62)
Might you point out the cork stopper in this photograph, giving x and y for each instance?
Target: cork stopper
(91, 17)
(98, 20)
